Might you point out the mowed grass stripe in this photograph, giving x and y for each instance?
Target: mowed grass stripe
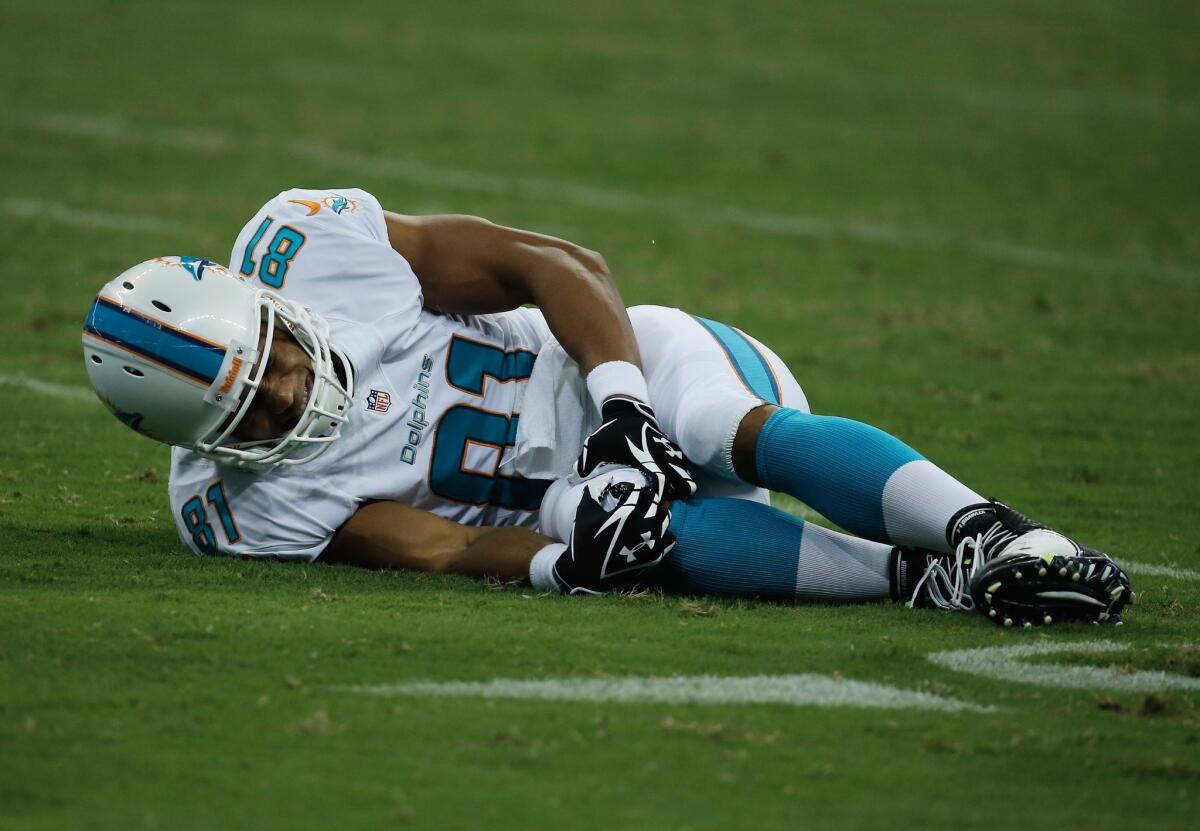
(682, 209)
(100, 220)
(72, 393)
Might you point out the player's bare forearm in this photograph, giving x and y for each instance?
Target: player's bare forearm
(503, 553)
(387, 535)
(583, 308)
(468, 265)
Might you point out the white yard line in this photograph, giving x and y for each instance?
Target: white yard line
(1007, 663)
(1158, 570)
(595, 197)
(795, 690)
(101, 220)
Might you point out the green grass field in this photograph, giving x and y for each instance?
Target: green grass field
(971, 223)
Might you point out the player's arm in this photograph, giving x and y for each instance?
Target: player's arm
(393, 535)
(467, 265)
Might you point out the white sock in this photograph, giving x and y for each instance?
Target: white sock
(919, 500)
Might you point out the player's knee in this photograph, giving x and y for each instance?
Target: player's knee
(706, 433)
(745, 442)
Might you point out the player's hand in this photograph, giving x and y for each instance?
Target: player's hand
(630, 437)
(620, 530)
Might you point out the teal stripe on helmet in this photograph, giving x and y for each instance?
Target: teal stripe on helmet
(177, 350)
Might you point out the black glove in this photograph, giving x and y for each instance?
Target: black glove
(620, 531)
(630, 437)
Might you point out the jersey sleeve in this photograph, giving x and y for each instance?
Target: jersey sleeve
(222, 511)
(328, 249)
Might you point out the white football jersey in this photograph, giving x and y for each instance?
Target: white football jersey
(434, 395)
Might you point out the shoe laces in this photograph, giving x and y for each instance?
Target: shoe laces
(947, 577)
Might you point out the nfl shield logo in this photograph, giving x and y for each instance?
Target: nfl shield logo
(378, 401)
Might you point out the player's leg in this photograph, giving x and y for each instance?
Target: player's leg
(718, 392)
(704, 378)
(740, 548)
(858, 476)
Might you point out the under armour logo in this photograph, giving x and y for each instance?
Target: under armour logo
(630, 554)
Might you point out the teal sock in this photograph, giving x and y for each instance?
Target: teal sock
(737, 548)
(859, 477)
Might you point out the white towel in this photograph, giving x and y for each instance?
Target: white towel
(556, 417)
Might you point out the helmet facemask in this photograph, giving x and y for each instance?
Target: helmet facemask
(326, 410)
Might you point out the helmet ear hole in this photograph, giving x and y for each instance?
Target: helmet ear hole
(134, 371)
(161, 306)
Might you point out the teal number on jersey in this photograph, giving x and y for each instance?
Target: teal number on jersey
(470, 362)
(272, 268)
(467, 364)
(195, 518)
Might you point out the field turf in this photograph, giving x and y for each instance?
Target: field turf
(971, 223)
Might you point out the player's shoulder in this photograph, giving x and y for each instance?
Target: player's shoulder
(306, 218)
(336, 211)
(330, 250)
(220, 510)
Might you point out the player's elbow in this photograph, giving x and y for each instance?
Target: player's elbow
(569, 264)
(592, 261)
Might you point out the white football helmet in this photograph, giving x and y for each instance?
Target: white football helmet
(173, 347)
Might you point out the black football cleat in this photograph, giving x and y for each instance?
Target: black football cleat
(1043, 577)
(1016, 571)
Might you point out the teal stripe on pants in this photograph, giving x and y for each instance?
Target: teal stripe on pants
(751, 365)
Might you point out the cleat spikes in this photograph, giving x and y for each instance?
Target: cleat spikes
(1071, 588)
(1017, 572)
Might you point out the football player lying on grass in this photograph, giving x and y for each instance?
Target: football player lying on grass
(370, 388)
